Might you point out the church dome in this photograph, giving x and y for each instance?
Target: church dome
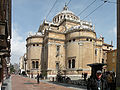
(65, 14)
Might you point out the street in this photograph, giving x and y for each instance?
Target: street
(25, 83)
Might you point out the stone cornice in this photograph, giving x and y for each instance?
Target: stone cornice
(56, 39)
(64, 20)
(34, 37)
(107, 45)
(78, 30)
(81, 37)
(54, 25)
(56, 32)
(99, 45)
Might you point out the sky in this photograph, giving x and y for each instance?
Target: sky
(27, 15)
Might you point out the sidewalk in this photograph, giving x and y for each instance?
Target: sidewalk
(6, 84)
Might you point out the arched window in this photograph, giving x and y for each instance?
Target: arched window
(55, 19)
(73, 63)
(69, 63)
(37, 63)
(90, 40)
(102, 60)
(61, 17)
(64, 16)
(96, 52)
(87, 39)
(33, 64)
(73, 40)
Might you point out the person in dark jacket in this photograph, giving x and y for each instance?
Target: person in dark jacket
(97, 83)
(38, 78)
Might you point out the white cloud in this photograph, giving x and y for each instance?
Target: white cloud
(17, 45)
(113, 31)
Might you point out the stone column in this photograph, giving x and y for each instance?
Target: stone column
(118, 47)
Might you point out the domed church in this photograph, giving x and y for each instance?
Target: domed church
(66, 44)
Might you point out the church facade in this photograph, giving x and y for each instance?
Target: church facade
(67, 44)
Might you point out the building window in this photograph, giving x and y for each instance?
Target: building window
(33, 64)
(58, 50)
(90, 40)
(37, 64)
(87, 39)
(61, 17)
(57, 65)
(102, 60)
(69, 63)
(107, 47)
(69, 40)
(37, 44)
(95, 52)
(33, 44)
(64, 16)
(55, 19)
(68, 16)
(73, 40)
(73, 63)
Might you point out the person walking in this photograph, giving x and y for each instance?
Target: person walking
(38, 78)
(97, 83)
(111, 80)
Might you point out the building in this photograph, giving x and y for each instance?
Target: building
(22, 64)
(66, 45)
(111, 60)
(5, 38)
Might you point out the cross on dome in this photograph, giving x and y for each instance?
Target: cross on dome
(65, 7)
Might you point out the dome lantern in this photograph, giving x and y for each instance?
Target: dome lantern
(65, 14)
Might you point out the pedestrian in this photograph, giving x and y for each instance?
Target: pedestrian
(38, 78)
(97, 83)
(111, 80)
(82, 75)
(85, 76)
